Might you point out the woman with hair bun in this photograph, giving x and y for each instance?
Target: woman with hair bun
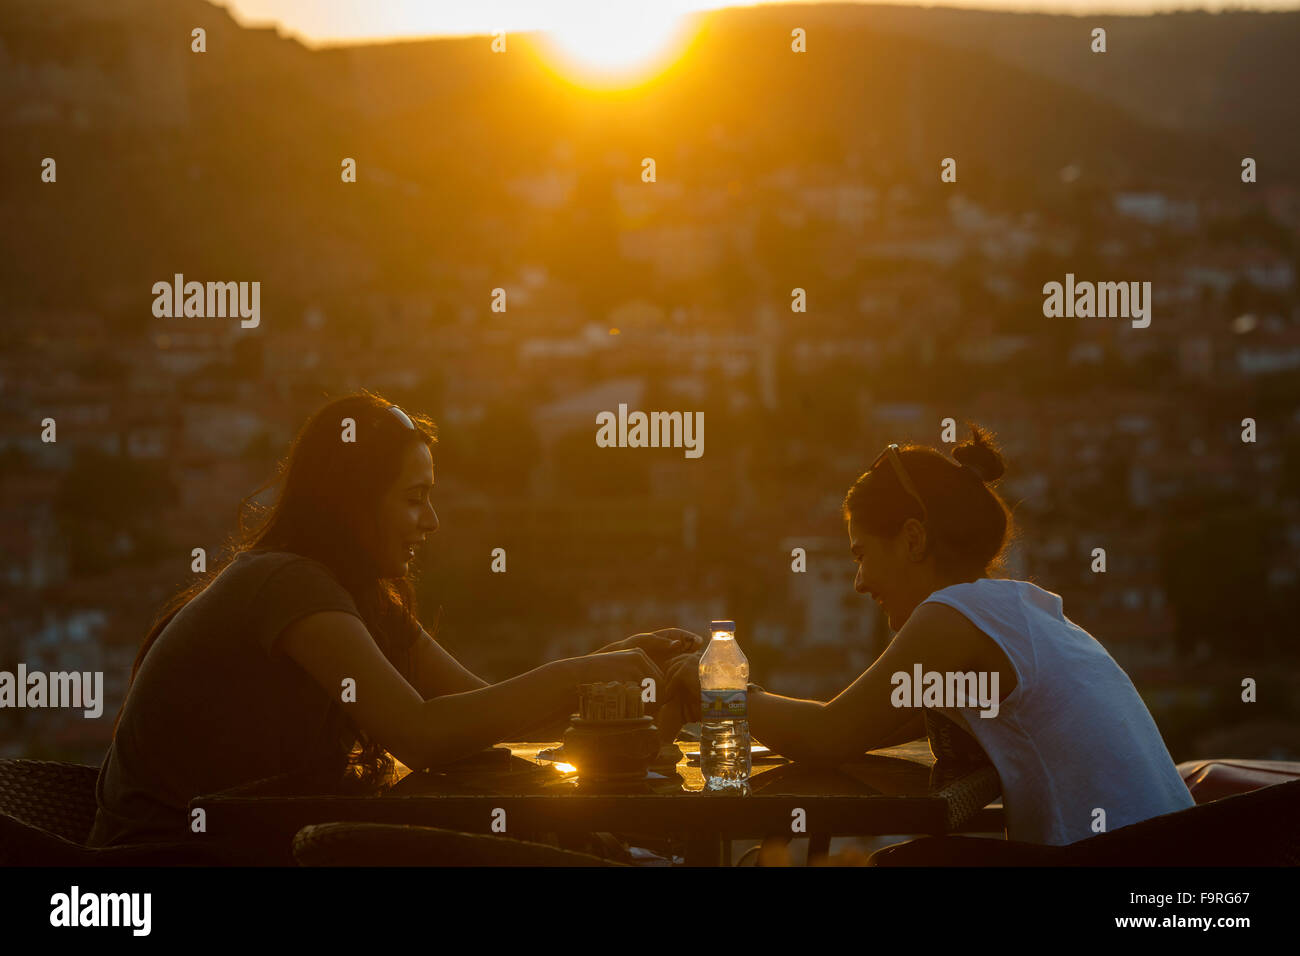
(1068, 735)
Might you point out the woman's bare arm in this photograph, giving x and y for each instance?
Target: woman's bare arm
(437, 672)
(334, 647)
(794, 727)
(863, 717)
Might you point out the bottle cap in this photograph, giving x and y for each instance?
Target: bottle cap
(723, 626)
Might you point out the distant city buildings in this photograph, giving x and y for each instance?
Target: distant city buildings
(916, 312)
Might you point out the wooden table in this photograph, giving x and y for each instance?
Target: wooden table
(888, 791)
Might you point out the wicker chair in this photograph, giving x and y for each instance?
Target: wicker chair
(58, 798)
(47, 809)
(387, 844)
(1259, 828)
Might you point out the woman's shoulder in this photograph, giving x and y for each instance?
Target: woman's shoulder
(270, 558)
(267, 564)
(998, 595)
(993, 586)
(258, 562)
(286, 584)
(981, 587)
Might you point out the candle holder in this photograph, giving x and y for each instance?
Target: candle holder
(611, 740)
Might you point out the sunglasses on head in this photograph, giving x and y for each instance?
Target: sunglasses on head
(891, 452)
(402, 417)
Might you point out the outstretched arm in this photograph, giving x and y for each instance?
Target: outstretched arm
(436, 672)
(862, 717)
(334, 647)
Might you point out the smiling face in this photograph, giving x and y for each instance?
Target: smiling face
(406, 516)
(891, 570)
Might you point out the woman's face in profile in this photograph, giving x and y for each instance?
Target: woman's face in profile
(878, 569)
(406, 515)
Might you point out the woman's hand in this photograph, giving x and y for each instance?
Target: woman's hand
(622, 665)
(669, 720)
(683, 684)
(661, 645)
(689, 641)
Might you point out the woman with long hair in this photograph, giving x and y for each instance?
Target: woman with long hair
(1064, 726)
(303, 654)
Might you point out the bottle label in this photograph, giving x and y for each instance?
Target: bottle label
(723, 705)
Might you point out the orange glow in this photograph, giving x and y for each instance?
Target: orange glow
(613, 47)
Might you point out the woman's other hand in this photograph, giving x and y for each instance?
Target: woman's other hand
(669, 720)
(661, 645)
(619, 665)
(682, 676)
(690, 642)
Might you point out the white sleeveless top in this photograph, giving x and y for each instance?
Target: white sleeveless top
(1074, 735)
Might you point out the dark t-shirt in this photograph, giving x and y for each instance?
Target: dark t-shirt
(216, 703)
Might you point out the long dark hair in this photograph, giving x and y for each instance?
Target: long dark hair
(969, 526)
(329, 490)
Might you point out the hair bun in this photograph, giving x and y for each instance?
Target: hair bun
(981, 455)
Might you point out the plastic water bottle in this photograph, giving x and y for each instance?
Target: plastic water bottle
(724, 712)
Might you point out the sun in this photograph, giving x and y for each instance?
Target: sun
(606, 45)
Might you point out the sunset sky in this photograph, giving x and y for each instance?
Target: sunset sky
(324, 21)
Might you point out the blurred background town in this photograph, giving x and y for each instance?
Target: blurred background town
(774, 171)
